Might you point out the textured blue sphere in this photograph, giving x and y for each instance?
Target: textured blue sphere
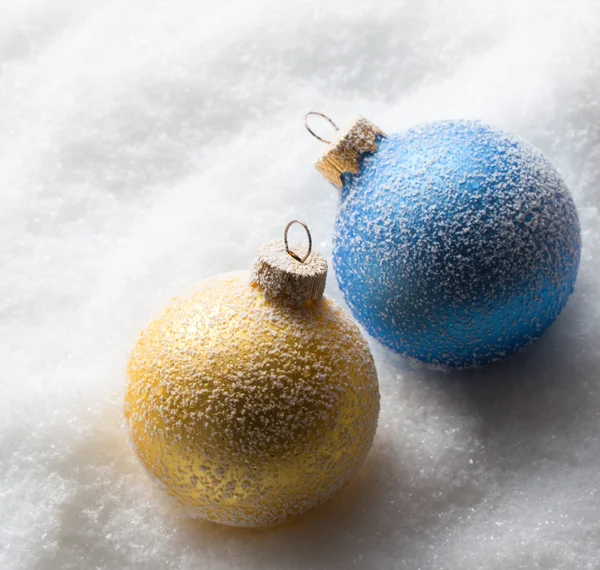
(456, 243)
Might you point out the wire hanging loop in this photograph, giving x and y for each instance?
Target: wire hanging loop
(287, 247)
(328, 119)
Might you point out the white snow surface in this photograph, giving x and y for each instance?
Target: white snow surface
(145, 146)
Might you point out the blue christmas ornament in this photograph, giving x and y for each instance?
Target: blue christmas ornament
(455, 243)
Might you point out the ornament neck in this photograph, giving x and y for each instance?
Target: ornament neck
(345, 152)
(288, 273)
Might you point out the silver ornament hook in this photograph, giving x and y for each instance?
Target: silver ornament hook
(328, 119)
(287, 247)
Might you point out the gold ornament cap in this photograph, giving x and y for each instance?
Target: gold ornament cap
(345, 151)
(287, 277)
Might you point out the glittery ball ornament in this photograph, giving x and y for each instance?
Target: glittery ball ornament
(455, 243)
(255, 398)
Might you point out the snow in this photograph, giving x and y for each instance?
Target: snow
(145, 146)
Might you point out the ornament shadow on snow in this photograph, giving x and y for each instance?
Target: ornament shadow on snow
(536, 394)
(455, 243)
(256, 398)
(328, 532)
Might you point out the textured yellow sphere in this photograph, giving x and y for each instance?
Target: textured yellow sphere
(248, 411)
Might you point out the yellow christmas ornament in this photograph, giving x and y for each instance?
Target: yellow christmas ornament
(256, 398)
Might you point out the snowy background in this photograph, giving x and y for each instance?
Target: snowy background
(147, 145)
